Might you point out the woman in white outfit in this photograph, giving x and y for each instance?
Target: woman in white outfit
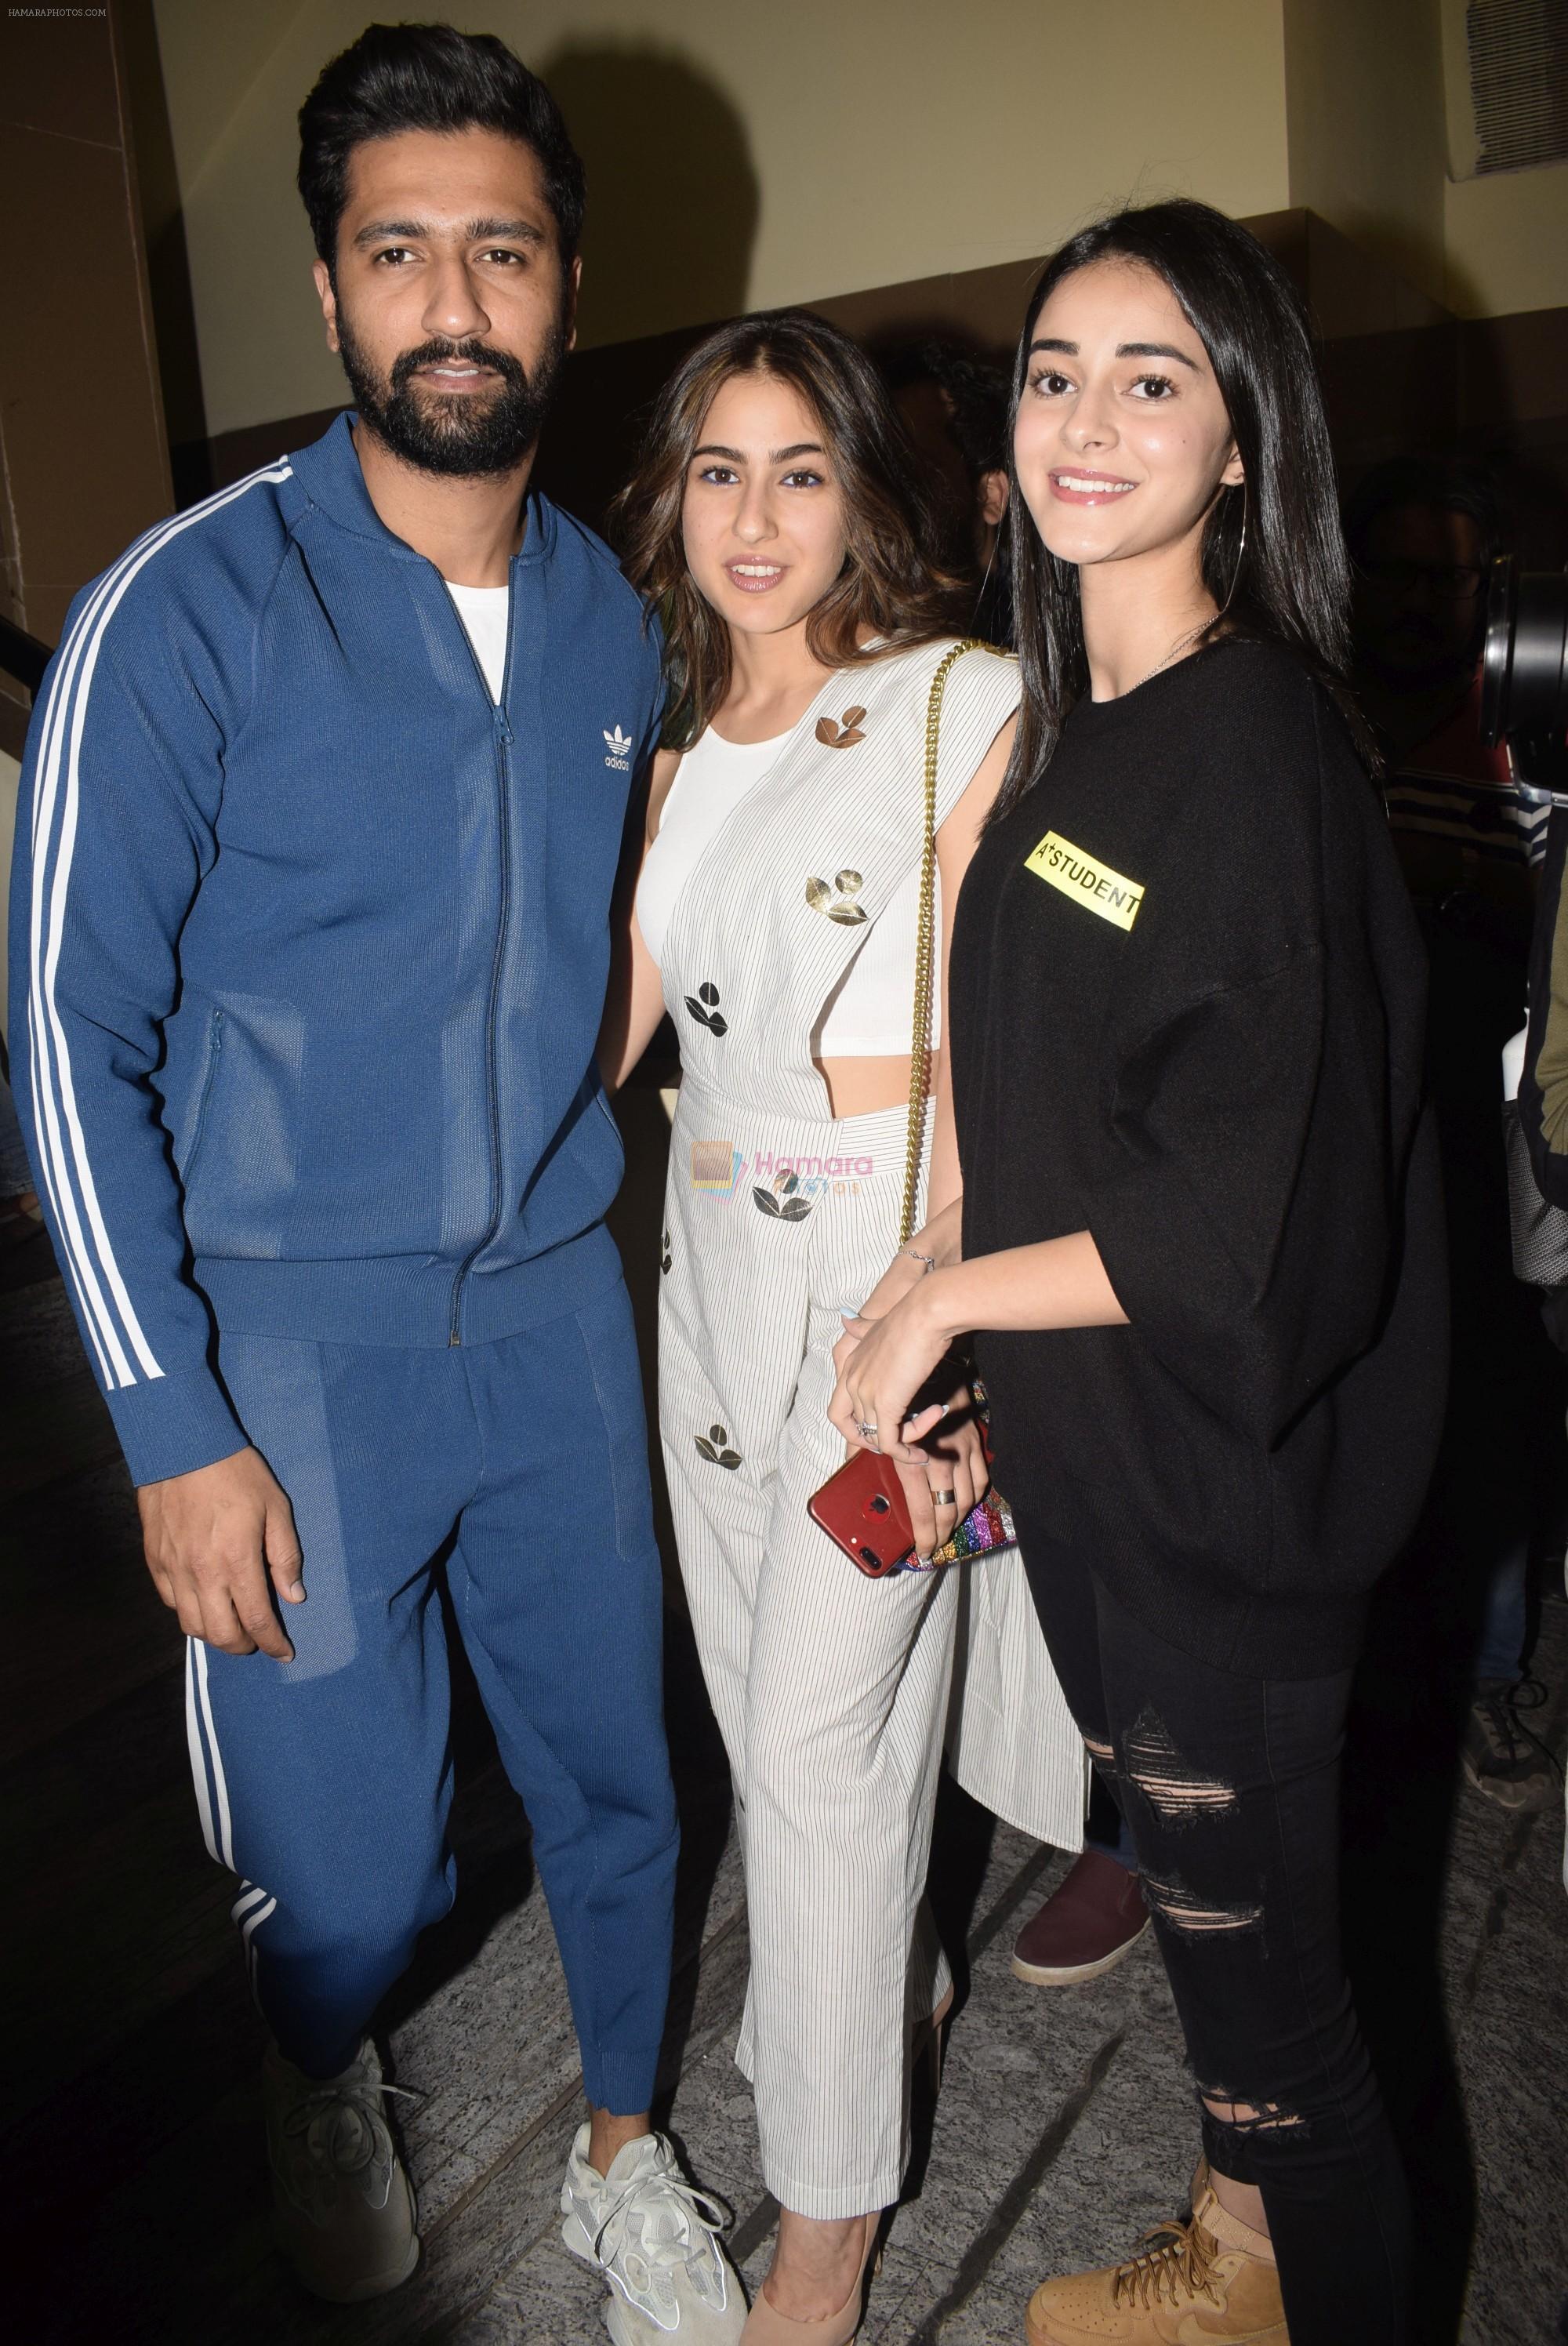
(778, 528)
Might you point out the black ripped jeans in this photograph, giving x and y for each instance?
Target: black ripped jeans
(1230, 1787)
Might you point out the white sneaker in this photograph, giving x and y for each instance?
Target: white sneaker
(344, 2212)
(654, 2236)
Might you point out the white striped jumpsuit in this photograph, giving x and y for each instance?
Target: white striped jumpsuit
(830, 1689)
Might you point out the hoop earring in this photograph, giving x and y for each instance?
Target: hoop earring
(1240, 552)
(985, 575)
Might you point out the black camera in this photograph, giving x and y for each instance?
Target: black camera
(1524, 677)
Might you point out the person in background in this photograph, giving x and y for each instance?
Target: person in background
(320, 826)
(954, 405)
(1198, 1239)
(1423, 534)
(1543, 1089)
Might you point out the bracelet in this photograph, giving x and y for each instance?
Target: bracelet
(929, 1260)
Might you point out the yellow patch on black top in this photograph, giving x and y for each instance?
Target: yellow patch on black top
(1087, 880)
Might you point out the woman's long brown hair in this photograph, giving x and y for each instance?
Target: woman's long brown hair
(892, 581)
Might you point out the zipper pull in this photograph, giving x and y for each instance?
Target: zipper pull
(502, 729)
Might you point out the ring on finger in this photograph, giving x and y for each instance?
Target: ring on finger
(944, 1498)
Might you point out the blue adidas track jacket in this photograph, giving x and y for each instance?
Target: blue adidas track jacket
(309, 941)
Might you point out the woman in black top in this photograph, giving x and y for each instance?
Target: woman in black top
(1201, 1238)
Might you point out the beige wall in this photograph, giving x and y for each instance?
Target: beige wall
(1507, 241)
(748, 152)
(1365, 110)
(1368, 119)
(742, 152)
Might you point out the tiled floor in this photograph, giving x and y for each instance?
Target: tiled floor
(1062, 2131)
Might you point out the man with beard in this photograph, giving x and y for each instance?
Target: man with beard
(323, 803)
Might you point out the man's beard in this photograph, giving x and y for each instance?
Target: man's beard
(463, 434)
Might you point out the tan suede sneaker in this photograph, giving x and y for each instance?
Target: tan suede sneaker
(1203, 2285)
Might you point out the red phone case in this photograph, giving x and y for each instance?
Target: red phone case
(863, 1508)
(862, 1511)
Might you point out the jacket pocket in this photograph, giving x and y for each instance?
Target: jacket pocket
(246, 1140)
(192, 1149)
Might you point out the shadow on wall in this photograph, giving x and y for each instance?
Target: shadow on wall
(673, 195)
(168, 262)
(673, 206)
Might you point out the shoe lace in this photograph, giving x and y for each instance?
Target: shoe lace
(1506, 1731)
(1183, 2264)
(342, 2125)
(665, 2197)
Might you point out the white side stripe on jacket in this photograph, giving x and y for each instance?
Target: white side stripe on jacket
(64, 1152)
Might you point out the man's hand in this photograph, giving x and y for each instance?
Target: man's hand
(213, 1539)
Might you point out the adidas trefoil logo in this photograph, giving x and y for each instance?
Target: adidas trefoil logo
(618, 744)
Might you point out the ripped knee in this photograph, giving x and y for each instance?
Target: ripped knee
(1102, 1754)
(1248, 2117)
(1177, 1793)
(1175, 1904)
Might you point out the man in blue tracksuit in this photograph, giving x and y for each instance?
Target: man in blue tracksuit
(322, 806)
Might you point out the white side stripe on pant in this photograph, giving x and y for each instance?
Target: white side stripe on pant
(247, 1934)
(197, 1757)
(206, 1759)
(250, 1911)
(67, 1169)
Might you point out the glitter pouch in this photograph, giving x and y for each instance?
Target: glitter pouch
(986, 1527)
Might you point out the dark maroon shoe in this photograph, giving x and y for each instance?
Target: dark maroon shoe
(1094, 1917)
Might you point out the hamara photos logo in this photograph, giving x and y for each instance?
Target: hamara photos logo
(718, 1167)
(618, 744)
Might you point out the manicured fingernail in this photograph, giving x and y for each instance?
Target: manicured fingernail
(295, 1592)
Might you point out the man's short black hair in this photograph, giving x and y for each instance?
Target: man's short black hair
(976, 394)
(1441, 483)
(978, 398)
(430, 78)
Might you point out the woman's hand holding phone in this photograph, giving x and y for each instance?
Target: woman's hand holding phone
(882, 1361)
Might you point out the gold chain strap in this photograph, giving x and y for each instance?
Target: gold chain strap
(920, 1048)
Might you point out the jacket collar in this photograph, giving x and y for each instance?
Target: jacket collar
(329, 474)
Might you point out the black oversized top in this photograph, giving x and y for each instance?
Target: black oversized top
(1186, 996)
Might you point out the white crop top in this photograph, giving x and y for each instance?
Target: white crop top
(869, 1014)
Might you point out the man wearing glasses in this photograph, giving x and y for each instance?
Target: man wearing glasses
(1423, 537)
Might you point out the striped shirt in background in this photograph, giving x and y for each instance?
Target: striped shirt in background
(1451, 787)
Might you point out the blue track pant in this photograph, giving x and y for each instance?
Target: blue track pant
(325, 1782)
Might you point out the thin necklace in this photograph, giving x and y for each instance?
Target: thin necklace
(1179, 646)
(1182, 642)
